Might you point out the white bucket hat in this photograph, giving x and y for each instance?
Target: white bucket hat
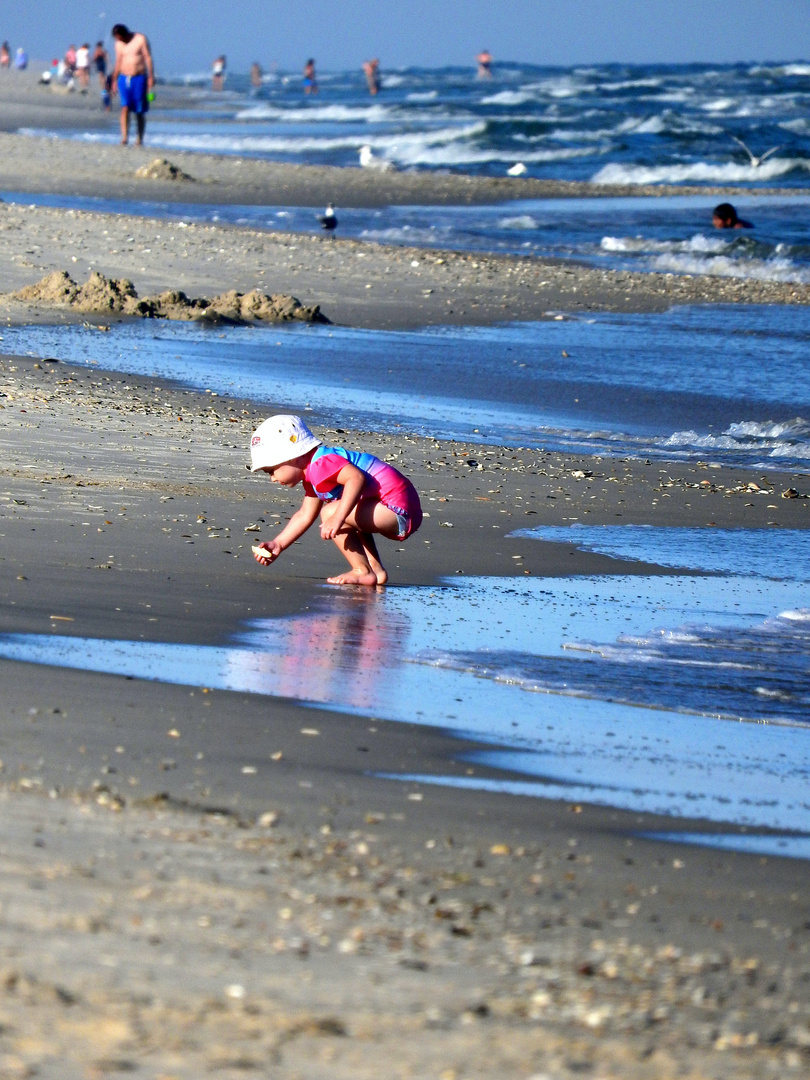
(279, 439)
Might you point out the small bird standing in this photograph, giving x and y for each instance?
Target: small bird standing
(328, 220)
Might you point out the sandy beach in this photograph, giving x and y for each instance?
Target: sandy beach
(208, 881)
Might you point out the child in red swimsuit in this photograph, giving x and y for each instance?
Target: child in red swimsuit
(356, 494)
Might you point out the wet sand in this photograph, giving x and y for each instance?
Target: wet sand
(194, 881)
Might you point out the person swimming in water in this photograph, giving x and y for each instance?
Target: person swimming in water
(310, 81)
(724, 216)
(484, 59)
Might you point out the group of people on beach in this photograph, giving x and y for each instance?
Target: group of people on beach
(371, 70)
(20, 61)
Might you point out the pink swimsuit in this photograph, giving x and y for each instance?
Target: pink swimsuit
(383, 484)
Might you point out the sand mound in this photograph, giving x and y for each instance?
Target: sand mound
(106, 295)
(55, 288)
(161, 169)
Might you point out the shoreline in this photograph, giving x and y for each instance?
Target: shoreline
(511, 934)
(364, 285)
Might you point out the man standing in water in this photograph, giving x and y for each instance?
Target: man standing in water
(135, 78)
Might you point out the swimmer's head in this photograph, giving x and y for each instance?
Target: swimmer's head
(724, 216)
(279, 439)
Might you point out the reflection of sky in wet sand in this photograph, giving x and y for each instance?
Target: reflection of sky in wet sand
(347, 653)
(618, 719)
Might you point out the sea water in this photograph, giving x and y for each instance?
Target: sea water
(611, 123)
(720, 384)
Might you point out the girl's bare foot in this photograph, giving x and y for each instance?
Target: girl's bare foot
(357, 577)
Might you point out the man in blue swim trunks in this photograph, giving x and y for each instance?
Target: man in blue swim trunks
(133, 76)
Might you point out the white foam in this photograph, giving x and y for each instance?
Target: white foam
(425, 150)
(799, 126)
(795, 430)
(650, 125)
(780, 69)
(801, 614)
(508, 97)
(422, 95)
(697, 243)
(370, 114)
(698, 171)
(777, 269)
(719, 105)
(522, 221)
(788, 438)
(629, 84)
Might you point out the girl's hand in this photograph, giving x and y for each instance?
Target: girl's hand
(266, 552)
(330, 529)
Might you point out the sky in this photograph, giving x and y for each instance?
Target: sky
(185, 37)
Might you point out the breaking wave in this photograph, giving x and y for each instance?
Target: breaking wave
(701, 172)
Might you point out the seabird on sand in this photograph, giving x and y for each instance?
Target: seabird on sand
(328, 220)
(756, 161)
(369, 161)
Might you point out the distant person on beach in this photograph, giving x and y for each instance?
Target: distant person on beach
(310, 81)
(107, 92)
(21, 59)
(5, 55)
(218, 73)
(135, 75)
(70, 61)
(256, 75)
(484, 59)
(356, 494)
(83, 66)
(724, 216)
(100, 61)
(371, 70)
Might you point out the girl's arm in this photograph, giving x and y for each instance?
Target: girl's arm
(298, 524)
(353, 481)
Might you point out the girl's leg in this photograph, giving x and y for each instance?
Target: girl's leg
(356, 541)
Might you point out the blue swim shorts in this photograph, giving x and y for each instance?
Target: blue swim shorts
(132, 93)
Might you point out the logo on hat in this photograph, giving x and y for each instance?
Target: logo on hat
(256, 440)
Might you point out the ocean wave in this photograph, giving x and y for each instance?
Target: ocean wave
(784, 438)
(659, 669)
(698, 172)
(370, 114)
(508, 97)
(460, 153)
(422, 95)
(776, 269)
(522, 221)
(628, 84)
(719, 105)
(780, 69)
(794, 431)
(697, 243)
(407, 234)
(404, 148)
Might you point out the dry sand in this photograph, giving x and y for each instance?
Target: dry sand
(195, 883)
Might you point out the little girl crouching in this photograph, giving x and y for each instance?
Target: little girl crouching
(356, 494)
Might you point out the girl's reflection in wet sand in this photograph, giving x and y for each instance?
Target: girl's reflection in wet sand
(347, 653)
